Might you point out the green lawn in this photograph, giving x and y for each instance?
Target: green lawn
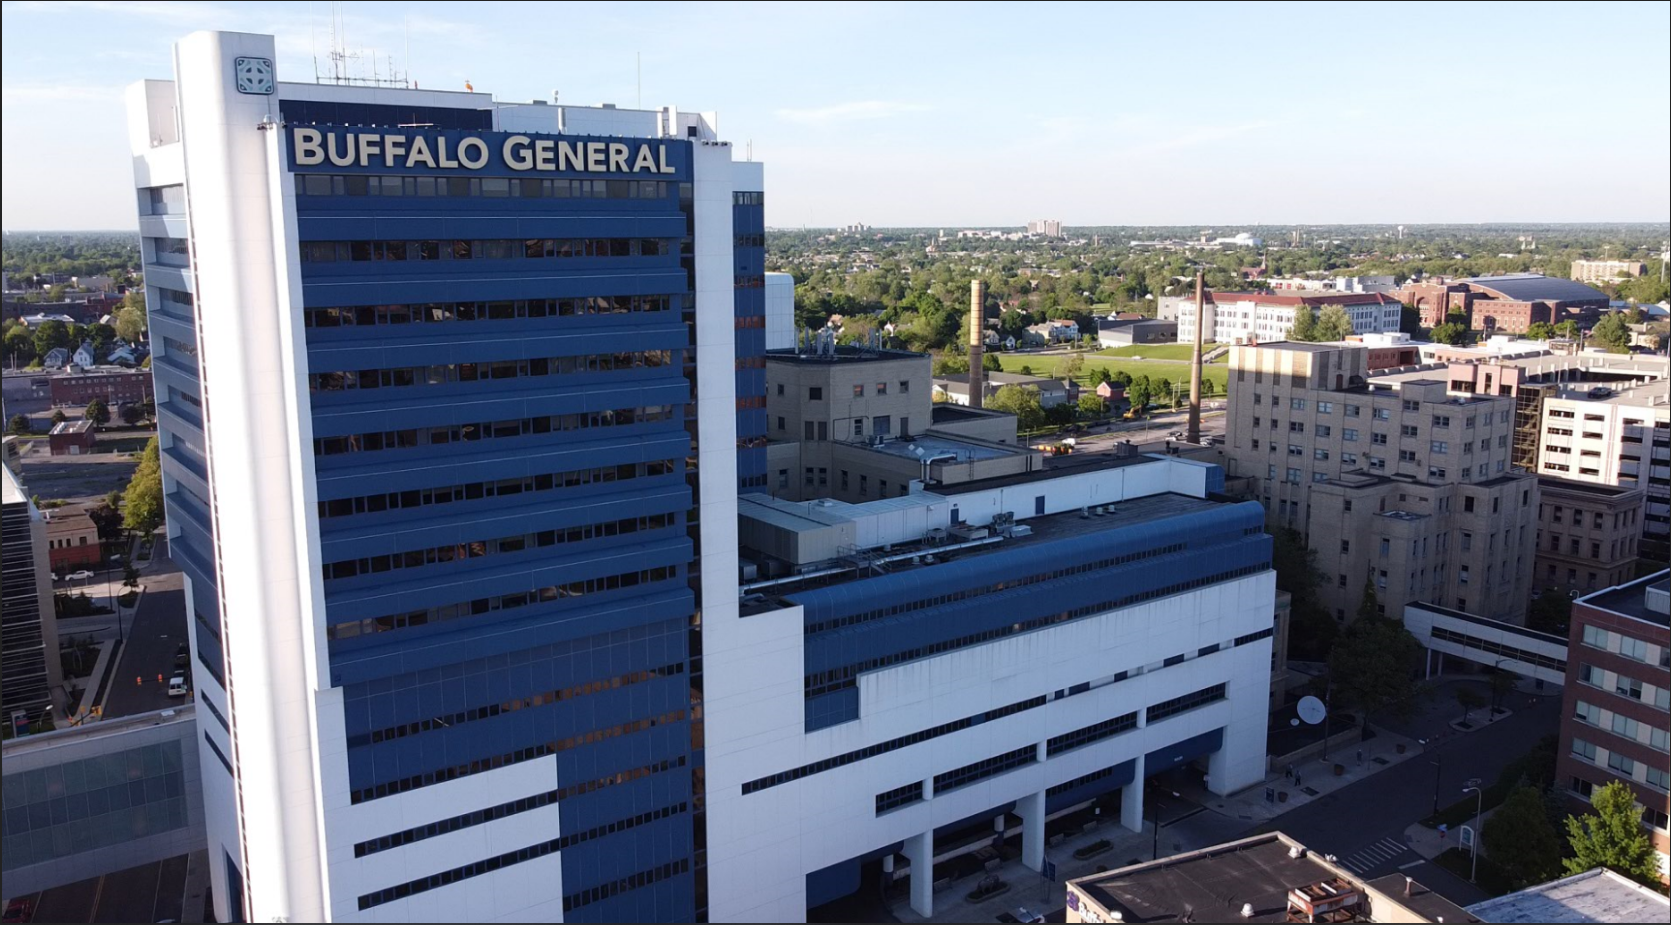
(1218, 375)
(1155, 351)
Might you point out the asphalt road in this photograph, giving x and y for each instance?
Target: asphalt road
(153, 635)
(1363, 824)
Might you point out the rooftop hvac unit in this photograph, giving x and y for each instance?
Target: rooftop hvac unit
(1099, 511)
(968, 532)
(1084, 513)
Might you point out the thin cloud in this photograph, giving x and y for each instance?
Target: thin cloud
(850, 112)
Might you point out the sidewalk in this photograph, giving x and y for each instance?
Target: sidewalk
(1430, 843)
(1264, 802)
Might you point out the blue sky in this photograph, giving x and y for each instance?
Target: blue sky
(972, 114)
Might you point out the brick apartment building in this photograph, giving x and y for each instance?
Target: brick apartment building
(1615, 725)
(114, 386)
(1587, 535)
(72, 540)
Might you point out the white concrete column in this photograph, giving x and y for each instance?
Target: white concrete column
(919, 850)
(1131, 798)
(1031, 810)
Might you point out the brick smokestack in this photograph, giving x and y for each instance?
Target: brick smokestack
(1193, 431)
(977, 342)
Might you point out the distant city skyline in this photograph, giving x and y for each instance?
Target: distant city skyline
(901, 116)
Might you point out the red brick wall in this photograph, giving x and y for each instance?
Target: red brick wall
(113, 388)
(1569, 766)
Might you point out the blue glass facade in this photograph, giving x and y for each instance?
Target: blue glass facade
(865, 625)
(748, 226)
(498, 371)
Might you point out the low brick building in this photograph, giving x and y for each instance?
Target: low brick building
(1510, 304)
(72, 540)
(115, 386)
(71, 438)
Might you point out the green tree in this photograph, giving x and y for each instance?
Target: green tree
(1021, 402)
(1091, 405)
(131, 414)
(1103, 375)
(1469, 700)
(98, 412)
(58, 416)
(19, 424)
(1071, 367)
(55, 292)
(130, 323)
(1311, 631)
(1305, 324)
(951, 366)
(1567, 329)
(1162, 391)
(20, 346)
(1541, 330)
(1410, 321)
(1137, 393)
(1121, 377)
(1333, 324)
(142, 510)
(1612, 836)
(107, 520)
(49, 336)
(1522, 840)
(1025, 370)
(1612, 332)
(1059, 415)
(1453, 334)
(989, 362)
(1370, 666)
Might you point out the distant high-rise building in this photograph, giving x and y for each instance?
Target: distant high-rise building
(455, 399)
(1048, 227)
(31, 676)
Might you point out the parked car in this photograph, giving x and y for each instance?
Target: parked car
(82, 575)
(182, 656)
(177, 686)
(20, 910)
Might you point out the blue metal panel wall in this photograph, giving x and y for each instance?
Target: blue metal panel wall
(601, 679)
(1215, 540)
(748, 218)
(1178, 754)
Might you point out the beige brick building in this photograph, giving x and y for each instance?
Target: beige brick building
(1587, 535)
(1395, 482)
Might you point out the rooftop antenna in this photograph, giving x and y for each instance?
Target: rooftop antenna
(313, 43)
(406, 50)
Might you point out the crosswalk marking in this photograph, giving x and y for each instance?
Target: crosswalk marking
(1362, 860)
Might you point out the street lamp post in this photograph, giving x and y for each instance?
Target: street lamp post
(1479, 802)
(1438, 769)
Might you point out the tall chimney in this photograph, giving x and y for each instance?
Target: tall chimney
(1193, 432)
(977, 342)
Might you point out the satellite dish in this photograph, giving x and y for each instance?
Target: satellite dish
(1312, 710)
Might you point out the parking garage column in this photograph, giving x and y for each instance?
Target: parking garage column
(1131, 798)
(1031, 810)
(919, 850)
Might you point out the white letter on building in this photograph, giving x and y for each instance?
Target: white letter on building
(394, 146)
(369, 144)
(308, 150)
(517, 153)
(571, 156)
(420, 153)
(545, 154)
(617, 157)
(596, 154)
(661, 152)
(476, 145)
(644, 161)
(344, 158)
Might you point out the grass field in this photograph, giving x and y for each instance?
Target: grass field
(1154, 351)
(1218, 375)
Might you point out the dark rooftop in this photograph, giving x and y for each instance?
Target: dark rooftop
(1572, 486)
(1055, 467)
(1422, 901)
(844, 354)
(1533, 287)
(1630, 600)
(946, 412)
(1211, 885)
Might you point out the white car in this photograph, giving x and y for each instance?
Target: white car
(177, 686)
(82, 575)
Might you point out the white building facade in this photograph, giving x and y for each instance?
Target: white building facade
(460, 330)
(1257, 318)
